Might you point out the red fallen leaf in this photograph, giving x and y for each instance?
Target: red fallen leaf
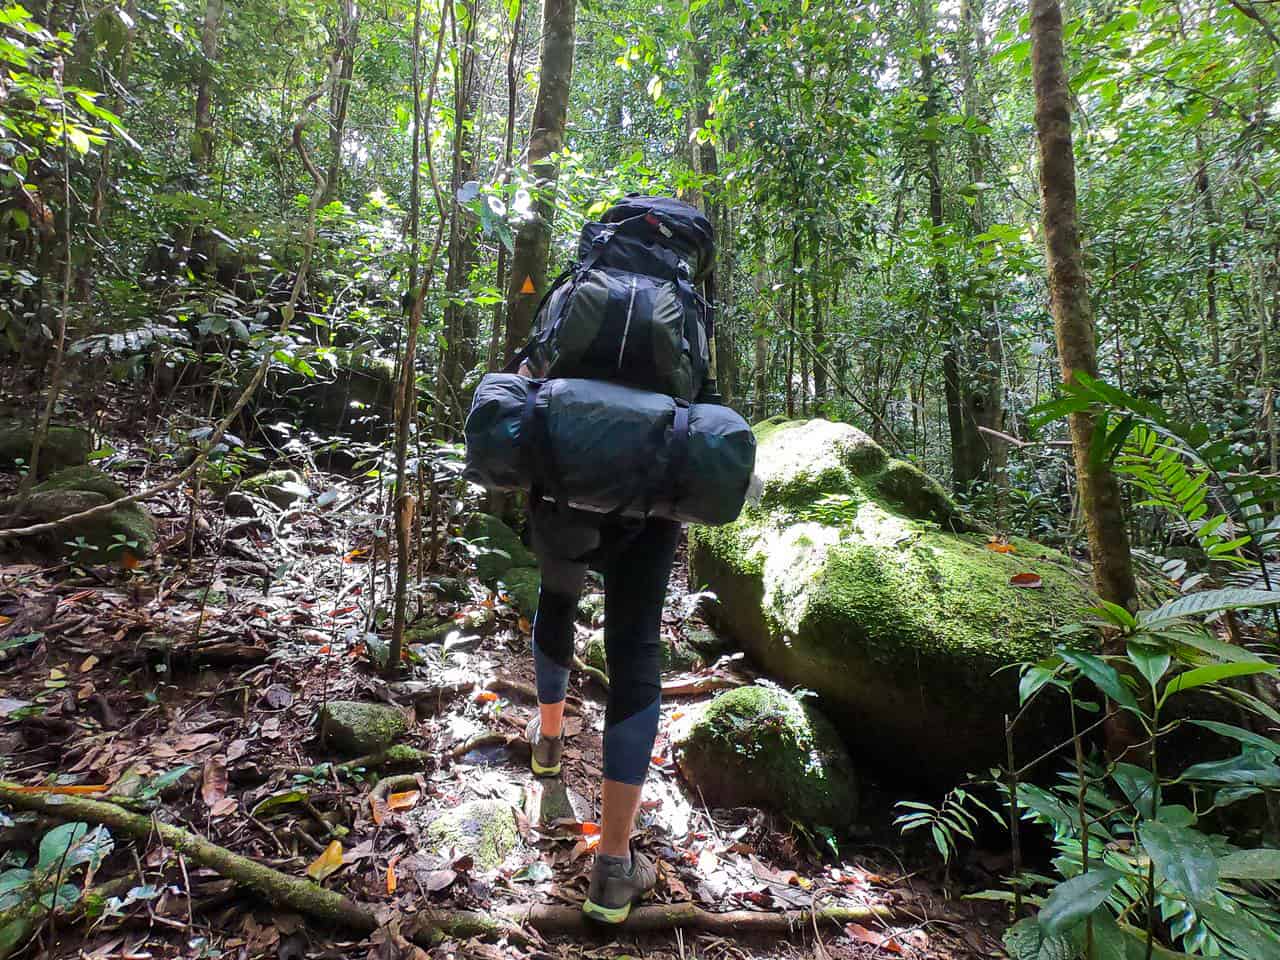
(213, 787)
(1030, 581)
(341, 611)
(464, 863)
(403, 801)
(858, 932)
(761, 898)
(486, 696)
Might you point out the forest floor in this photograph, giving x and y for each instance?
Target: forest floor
(192, 682)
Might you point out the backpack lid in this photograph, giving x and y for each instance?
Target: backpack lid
(685, 221)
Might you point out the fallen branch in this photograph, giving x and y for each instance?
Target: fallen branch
(549, 918)
(526, 690)
(694, 686)
(429, 925)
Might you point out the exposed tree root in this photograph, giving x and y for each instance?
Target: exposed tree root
(557, 919)
(428, 926)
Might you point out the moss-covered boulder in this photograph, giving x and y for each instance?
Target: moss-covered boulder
(498, 547)
(282, 487)
(356, 728)
(677, 655)
(77, 489)
(485, 830)
(521, 585)
(764, 747)
(854, 575)
(63, 446)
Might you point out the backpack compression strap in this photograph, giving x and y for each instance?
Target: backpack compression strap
(679, 452)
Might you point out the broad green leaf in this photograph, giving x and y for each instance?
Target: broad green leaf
(1138, 787)
(1151, 661)
(1212, 674)
(1104, 676)
(57, 844)
(1243, 736)
(1250, 865)
(1252, 768)
(1245, 931)
(1208, 601)
(1073, 900)
(1183, 856)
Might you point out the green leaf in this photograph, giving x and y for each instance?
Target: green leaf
(1151, 661)
(57, 844)
(1138, 788)
(1242, 929)
(277, 800)
(1184, 858)
(1208, 601)
(1250, 865)
(1104, 676)
(1251, 768)
(1212, 674)
(1073, 900)
(1241, 735)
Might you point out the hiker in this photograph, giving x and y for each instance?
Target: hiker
(635, 558)
(610, 420)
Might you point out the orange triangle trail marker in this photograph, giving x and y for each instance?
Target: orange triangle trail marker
(527, 286)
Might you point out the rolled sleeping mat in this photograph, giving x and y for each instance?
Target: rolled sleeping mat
(609, 448)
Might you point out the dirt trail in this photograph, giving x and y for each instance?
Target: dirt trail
(193, 687)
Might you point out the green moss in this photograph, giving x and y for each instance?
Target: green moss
(676, 655)
(761, 746)
(919, 495)
(866, 595)
(484, 829)
(355, 727)
(522, 585)
(63, 446)
(83, 478)
(499, 547)
(78, 488)
(270, 478)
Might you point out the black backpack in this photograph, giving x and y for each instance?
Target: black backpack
(627, 311)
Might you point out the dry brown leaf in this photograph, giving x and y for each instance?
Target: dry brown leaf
(403, 801)
(194, 741)
(1029, 581)
(327, 863)
(884, 941)
(226, 805)
(377, 809)
(438, 880)
(89, 663)
(237, 749)
(213, 788)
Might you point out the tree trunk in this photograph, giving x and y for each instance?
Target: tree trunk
(202, 139)
(459, 352)
(340, 94)
(760, 405)
(1099, 491)
(500, 269)
(546, 137)
(981, 383)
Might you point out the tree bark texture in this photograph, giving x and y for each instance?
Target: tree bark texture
(546, 138)
(460, 323)
(340, 94)
(202, 140)
(1069, 300)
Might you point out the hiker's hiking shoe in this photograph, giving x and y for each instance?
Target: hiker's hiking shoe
(614, 888)
(544, 754)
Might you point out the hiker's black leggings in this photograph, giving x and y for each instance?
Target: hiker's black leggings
(635, 585)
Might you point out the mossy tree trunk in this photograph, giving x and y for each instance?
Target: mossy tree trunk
(1100, 500)
(546, 138)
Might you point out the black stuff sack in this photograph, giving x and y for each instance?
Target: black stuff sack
(609, 448)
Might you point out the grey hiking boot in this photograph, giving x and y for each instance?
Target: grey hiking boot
(614, 888)
(544, 755)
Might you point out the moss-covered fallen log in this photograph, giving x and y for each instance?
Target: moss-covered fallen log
(431, 924)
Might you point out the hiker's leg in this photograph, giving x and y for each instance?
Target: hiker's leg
(553, 638)
(635, 587)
